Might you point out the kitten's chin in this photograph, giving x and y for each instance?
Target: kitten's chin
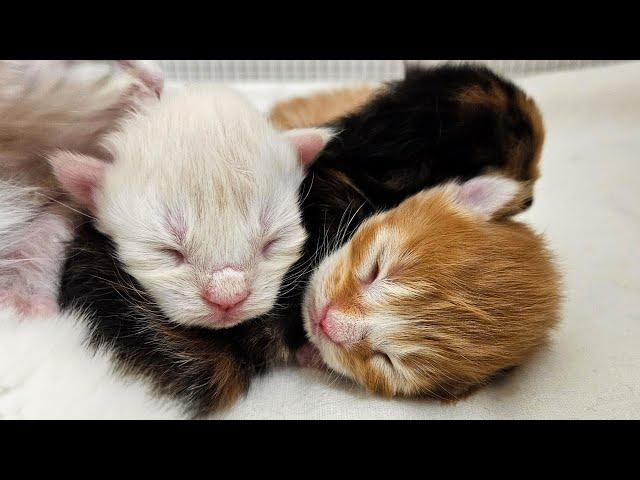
(225, 322)
(205, 319)
(212, 322)
(328, 354)
(221, 320)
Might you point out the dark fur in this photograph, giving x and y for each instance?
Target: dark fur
(416, 134)
(207, 369)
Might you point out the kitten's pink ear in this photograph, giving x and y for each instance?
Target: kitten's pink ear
(488, 194)
(308, 142)
(79, 175)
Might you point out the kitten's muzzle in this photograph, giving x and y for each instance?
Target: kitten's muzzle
(336, 327)
(226, 290)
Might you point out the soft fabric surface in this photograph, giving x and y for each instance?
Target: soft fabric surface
(587, 205)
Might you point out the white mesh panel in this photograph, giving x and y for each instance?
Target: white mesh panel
(523, 67)
(282, 70)
(339, 70)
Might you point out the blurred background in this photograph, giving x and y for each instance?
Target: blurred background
(340, 70)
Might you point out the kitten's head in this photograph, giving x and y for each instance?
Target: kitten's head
(435, 296)
(201, 201)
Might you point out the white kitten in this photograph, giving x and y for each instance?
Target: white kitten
(201, 201)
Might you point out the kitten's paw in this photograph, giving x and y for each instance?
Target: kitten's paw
(31, 305)
(308, 356)
(147, 72)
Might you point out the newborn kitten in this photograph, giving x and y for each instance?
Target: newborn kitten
(436, 296)
(201, 202)
(208, 368)
(44, 106)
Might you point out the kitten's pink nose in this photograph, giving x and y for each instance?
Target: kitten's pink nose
(227, 288)
(318, 316)
(328, 325)
(338, 329)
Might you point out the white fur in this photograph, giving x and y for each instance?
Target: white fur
(205, 164)
(49, 373)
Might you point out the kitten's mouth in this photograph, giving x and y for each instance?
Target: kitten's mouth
(223, 316)
(222, 319)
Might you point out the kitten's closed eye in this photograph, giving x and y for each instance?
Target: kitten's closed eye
(372, 275)
(268, 246)
(174, 253)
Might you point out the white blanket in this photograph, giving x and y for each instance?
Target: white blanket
(587, 203)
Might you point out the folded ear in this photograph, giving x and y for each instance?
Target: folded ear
(488, 195)
(80, 175)
(308, 142)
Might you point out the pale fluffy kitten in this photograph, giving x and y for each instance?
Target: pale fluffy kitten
(201, 201)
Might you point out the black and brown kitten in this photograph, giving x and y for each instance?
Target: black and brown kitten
(435, 125)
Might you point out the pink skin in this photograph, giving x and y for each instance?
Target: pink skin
(308, 356)
(227, 289)
(317, 317)
(30, 305)
(29, 274)
(223, 319)
(177, 228)
(79, 175)
(334, 327)
(308, 147)
(327, 324)
(225, 293)
(224, 304)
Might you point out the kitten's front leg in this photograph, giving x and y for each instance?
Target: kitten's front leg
(30, 269)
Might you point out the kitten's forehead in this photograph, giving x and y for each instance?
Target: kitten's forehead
(207, 149)
(211, 128)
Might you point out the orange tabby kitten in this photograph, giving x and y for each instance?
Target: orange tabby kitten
(434, 297)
